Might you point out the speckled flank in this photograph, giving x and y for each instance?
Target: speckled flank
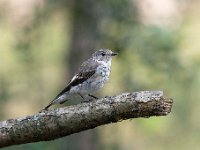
(94, 83)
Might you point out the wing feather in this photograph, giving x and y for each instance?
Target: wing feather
(86, 70)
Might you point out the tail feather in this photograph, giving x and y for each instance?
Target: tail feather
(63, 101)
(63, 98)
(46, 108)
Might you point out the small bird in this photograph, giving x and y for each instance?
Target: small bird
(91, 75)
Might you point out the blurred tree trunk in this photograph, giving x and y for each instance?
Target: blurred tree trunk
(84, 34)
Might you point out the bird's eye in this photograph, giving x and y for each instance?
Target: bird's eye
(103, 54)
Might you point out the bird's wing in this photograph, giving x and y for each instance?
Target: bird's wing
(86, 70)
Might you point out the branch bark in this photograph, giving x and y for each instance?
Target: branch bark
(64, 121)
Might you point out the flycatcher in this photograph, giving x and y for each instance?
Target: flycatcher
(91, 76)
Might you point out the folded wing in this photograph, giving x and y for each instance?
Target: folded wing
(86, 70)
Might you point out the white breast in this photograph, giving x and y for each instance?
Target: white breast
(97, 80)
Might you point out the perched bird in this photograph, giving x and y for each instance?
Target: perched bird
(92, 75)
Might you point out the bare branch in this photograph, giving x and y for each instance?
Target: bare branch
(61, 122)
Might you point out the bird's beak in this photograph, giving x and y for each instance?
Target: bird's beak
(114, 54)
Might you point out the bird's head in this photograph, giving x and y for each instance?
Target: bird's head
(103, 55)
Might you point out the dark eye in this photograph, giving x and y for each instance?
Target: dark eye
(103, 54)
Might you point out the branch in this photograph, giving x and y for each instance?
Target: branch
(64, 121)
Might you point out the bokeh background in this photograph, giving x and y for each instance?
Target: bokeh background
(42, 42)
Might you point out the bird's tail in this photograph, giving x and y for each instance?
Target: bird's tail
(46, 108)
(61, 99)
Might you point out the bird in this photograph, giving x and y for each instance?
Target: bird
(91, 76)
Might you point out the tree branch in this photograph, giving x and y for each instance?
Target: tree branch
(64, 121)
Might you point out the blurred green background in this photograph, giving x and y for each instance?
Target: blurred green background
(42, 42)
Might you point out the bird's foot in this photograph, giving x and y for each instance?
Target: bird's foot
(86, 101)
(93, 96)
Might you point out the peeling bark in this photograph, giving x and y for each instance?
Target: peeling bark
(53, 124)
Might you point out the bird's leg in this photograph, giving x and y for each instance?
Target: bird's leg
(84, 100)
(82, 97)
(93, 96)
